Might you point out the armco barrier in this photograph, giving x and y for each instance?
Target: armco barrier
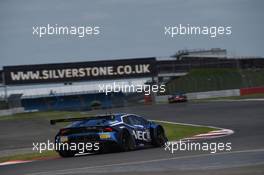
(214, 94)
(203, 95)
(252, 90)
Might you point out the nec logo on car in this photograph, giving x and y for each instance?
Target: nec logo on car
(142, 135)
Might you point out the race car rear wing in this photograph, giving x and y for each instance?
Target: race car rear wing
(53, 122)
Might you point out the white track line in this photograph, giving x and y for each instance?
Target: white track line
(72, 170)
(186, 124)
(220, 132)
(15, 162)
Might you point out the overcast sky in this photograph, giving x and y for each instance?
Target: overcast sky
(128, 28)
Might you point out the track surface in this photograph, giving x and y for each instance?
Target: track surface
(246, 157)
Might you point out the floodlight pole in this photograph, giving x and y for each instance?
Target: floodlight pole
(4, 85)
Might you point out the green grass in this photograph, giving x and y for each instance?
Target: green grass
(200, 80)
(30, 156)
(177, 131)
(173, 132)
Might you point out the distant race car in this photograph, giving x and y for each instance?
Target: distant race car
(123, 131)
(177, 97)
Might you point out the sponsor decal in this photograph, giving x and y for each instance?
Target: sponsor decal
(81, 71)
(142, 135)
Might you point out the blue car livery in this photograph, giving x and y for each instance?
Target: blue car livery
(108, 132)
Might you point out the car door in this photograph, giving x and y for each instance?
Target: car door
(141, 131)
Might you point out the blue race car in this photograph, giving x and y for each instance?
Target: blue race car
(101, 133)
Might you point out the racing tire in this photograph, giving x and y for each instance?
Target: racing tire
(159, 138)
(127, 142)
(66, 153)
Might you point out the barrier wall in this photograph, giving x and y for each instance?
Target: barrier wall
(214, 94)
(161, 99)
(11, 111)
(203, 95)
(253, 90)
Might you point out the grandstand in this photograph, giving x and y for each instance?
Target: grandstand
(3, 104)
(72, 102)
(214, 52)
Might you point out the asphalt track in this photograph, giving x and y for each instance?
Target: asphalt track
(246, 157)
